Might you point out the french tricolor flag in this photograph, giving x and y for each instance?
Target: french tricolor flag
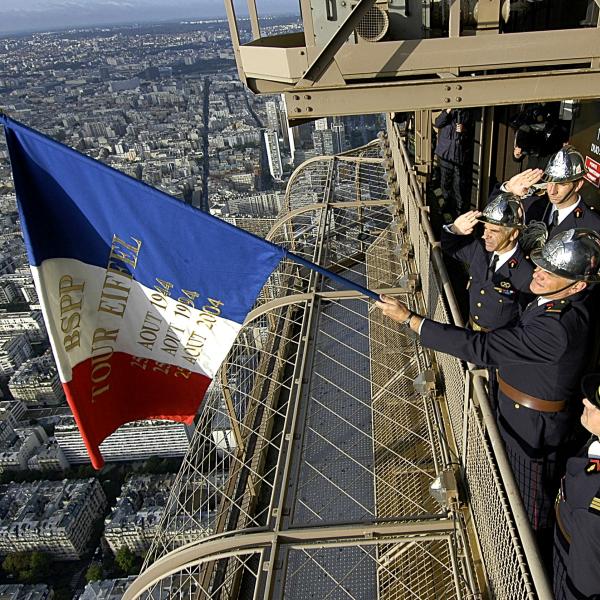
(142, 295)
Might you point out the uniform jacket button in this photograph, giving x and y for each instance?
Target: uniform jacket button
(479, 304)
(516, 405)
(482, 292)
(476, 317)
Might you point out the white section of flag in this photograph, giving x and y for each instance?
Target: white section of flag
(136, 335)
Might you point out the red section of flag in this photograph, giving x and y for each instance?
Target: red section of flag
(125, 388)
(593, 171)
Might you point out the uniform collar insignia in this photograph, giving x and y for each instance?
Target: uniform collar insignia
(578, 212)
(557, 306)
(512, 263)
(593, 466)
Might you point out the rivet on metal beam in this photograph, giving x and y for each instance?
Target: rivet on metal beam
(458, 99)
(447, 100)
(306, 97)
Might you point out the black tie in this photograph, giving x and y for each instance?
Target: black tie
(492, 266)
(554, 220)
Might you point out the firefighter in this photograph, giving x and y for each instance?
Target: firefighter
(499, 274)
(560, 208)
(539, 361)
(577, 531)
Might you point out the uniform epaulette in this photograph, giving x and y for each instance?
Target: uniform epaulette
(556, 306)
(594, 506)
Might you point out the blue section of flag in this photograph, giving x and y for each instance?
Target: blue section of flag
(71, 206)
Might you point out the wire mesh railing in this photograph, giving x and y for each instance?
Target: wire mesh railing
(512, 565)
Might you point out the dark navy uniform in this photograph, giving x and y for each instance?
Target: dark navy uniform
(494, 301)
(539, 208)
(542, 356)
(577, 532)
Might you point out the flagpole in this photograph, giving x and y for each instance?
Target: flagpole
(330, 275)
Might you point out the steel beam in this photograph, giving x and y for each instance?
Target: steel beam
(434, 56)
(253, 14)
(235, 38)
(485, 90)
(212, 547)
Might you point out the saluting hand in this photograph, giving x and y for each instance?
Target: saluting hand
(465, 223)
(590, 417)
(521, 182)
(392, 308)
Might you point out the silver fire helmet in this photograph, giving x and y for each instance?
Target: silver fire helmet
(566, 165)
(573, 254)
(505, 210)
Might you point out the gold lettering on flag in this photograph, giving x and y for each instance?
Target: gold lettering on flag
(71, 299)
(113, 301)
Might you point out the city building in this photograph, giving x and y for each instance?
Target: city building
(49, 457)
(22, 282)
(31, 323)
(274, 154)
(138, 440)
(15, 349)
(324, 140)
(18, 445)
(12, 411)
(19, 591)
(272, 115)
(36, 382)
(56, 517)
(113, 589)
(134, 520)
(9, 292)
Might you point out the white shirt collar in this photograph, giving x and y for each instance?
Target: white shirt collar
(542, 300)
(504, 257)
(594, 449)
(563, 213)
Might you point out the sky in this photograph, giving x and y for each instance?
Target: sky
(33, 15)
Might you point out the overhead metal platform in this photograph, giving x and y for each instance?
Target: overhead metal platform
(368, 56)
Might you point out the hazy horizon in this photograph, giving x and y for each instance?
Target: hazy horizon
(23, 16)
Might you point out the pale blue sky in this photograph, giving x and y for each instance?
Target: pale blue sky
(26, 15)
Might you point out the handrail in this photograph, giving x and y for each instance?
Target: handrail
(524, 530)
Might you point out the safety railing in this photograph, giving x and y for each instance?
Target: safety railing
(513, 567)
